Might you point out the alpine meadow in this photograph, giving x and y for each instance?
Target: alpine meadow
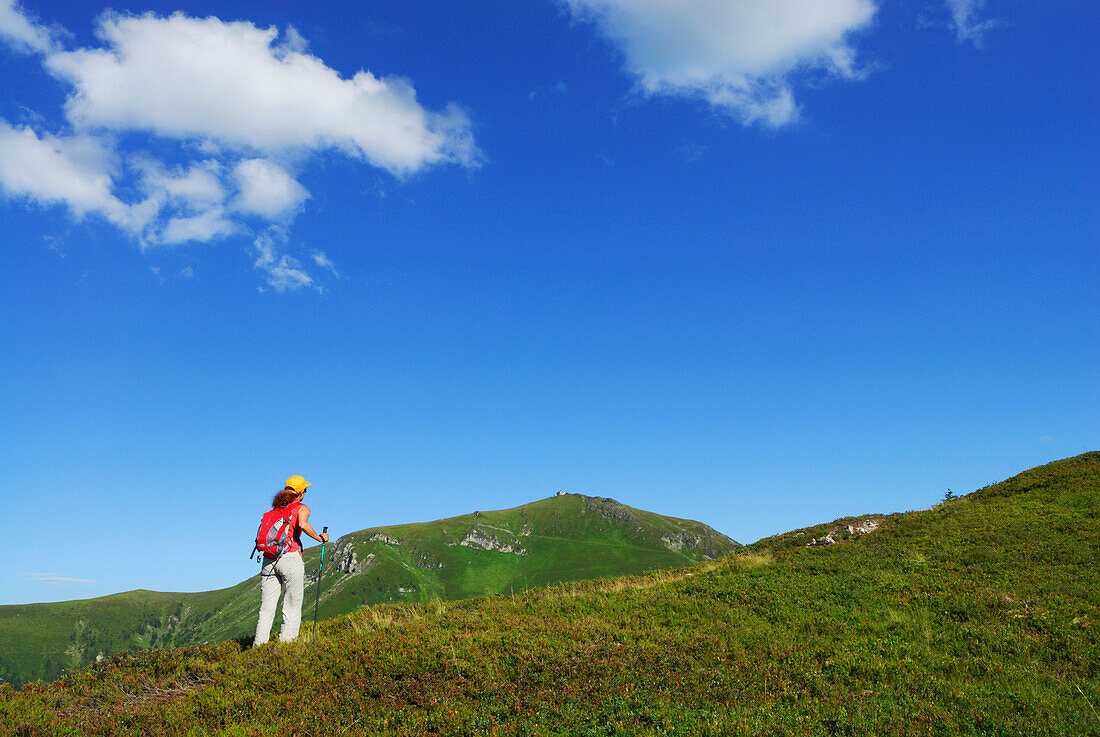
(975, 617)
(563, 538)
(588, 368)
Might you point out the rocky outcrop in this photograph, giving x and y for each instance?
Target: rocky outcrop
(609, 508)
(678, 541)
(705, 544)
(378, 536)
(844, 532)
(347, 561)
(862, 529)
(478, 538)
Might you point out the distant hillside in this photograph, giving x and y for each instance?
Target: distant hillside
(562, 538)
(977, 617)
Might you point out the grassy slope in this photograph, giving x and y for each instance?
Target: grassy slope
(568, 538)
(42, 640)
(977, 617)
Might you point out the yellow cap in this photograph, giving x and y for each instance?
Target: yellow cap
(297, 483)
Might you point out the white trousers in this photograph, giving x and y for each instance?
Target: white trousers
(287, 576)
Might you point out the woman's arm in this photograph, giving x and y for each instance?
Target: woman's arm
(304, 526)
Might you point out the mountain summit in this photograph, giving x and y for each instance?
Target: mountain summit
(975, 617)
(562, 538)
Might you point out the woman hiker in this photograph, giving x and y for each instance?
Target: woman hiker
(286, 572)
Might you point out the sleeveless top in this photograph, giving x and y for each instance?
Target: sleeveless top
(294, 544)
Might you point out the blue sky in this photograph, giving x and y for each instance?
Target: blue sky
(760, 269)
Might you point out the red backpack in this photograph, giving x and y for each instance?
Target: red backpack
(276, 531)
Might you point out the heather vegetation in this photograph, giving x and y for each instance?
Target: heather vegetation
(562, 538)
(978, 616)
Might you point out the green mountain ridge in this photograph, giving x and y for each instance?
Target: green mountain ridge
(561, 538)
(975, 617)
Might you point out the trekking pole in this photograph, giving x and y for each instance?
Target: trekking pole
(320, 565)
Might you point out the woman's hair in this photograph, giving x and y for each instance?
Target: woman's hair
(283, 498)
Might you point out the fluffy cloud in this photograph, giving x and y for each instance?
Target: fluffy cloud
(208, 225)
(737, 55)
(254, 103)
(237, 85)
(196, 187)
(966, 17)
(22, 32)
(81, 171)
(266, 189)
(74, 171)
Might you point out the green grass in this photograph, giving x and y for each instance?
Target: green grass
(43, 640)
(565, 538)
(977, 617)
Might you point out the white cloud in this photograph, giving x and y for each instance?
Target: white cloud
(321, 259)
(197, 187)
(283, 272)
(81, 172)
(21, 31)
(54, 578)
(74, 171)
(737, 55)
(239, 86)
(266, 189)
(209, 225)
(187, 272)
(227, 107)
(966, 17)
(295, 41)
